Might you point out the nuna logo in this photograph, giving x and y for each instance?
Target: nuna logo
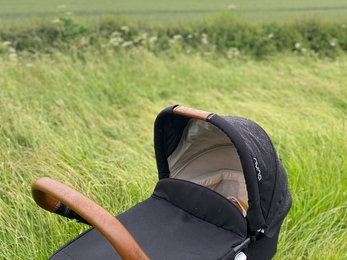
(257, 169)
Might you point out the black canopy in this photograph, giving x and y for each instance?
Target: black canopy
(269, 198)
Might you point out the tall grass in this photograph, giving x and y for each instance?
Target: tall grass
(88, 123)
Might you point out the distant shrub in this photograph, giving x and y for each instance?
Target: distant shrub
(218, 35)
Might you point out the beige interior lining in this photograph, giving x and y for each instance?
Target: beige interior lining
(228, 183)
(206, 156)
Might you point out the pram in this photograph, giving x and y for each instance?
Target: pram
(222, 194)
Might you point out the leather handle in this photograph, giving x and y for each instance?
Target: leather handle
(49, 194)
(191, 112)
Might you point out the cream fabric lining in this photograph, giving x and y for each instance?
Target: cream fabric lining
(206, 156)
(228, 183)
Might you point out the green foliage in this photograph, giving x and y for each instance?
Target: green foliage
(46, 36)
(219, 35)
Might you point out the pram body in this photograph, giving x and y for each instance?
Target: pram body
(222, 193)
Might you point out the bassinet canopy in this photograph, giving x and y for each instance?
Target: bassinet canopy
(219, 151)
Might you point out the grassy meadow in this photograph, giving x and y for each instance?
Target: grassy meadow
(89, 124)
(78, 105)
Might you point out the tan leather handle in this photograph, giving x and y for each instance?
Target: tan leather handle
(191, 112)
(49, 193)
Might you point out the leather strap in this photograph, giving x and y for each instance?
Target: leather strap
(49, 193)
(191, 112)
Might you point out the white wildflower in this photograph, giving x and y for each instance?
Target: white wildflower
(231, 6)
(153, 39)
(13, 56)
(29, 65)
(11, 50)
(204, 39)
(189, 36)
(138, 39)
(126, 44)
(232, 53)
(7, 43)
(177, 37)
(116, 40)
(125, 29)
(83, 42)
(55, 20)
(115, 33)
(271, 35)
(297, 45)
(333, 43)
(303, 50)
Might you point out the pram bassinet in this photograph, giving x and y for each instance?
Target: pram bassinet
(222, 190)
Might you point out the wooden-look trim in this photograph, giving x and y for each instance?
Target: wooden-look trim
(191, 112)
(49, 193)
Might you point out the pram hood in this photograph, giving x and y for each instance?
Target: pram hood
(269, 199)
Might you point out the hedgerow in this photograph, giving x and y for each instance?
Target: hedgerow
(217, 35)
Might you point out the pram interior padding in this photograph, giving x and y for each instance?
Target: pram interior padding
(181, 220)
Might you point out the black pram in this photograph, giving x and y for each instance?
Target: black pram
(222, 194)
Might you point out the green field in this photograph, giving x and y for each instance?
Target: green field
(89, 124)
(163, 11)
